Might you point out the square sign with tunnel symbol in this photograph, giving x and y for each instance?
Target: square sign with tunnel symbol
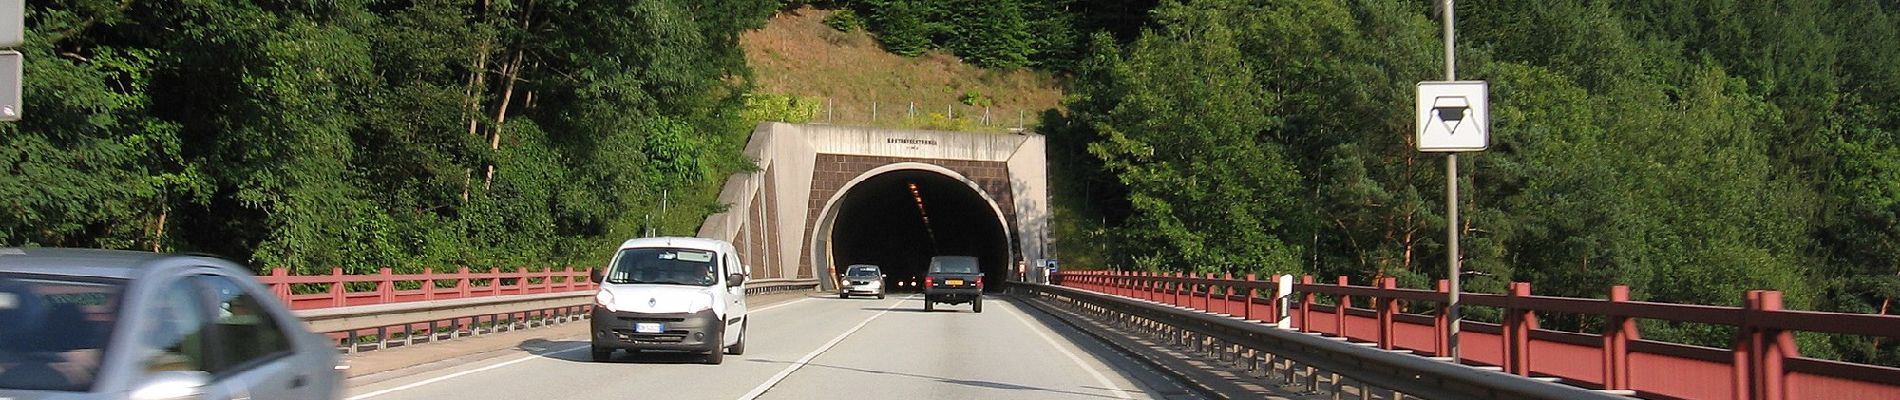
(1453, 116)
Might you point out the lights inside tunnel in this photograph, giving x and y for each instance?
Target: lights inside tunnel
(923, 213)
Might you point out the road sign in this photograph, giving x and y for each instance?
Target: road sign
(10, 65)
(1453, 116)
(12, 23)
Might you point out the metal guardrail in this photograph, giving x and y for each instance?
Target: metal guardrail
(463, 284)
(389, 325)
(1398, 371)
(1763, 363)
(764, 286)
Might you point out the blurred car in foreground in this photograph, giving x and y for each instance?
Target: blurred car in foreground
(104, 324)
(861, 280)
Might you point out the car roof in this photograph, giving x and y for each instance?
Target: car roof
(122, 264)
(677, 242)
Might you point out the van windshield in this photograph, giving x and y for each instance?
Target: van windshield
(664, 266)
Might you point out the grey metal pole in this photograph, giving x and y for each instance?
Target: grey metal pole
(1451, 201)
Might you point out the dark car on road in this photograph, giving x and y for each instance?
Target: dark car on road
(103, 324)
(953, 280)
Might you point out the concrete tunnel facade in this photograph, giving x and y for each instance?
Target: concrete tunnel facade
(826, 197)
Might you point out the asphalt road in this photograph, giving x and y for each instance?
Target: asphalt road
(821, 348)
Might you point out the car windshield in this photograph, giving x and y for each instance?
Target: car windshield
(664, 266)
(53, 330)
(953, 265)
(862, 270)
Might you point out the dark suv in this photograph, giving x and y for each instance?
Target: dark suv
(953, 280)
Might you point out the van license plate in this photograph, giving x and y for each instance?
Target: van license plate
(955, 282)
(646, 327)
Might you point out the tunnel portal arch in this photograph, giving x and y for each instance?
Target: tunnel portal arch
(860, 223)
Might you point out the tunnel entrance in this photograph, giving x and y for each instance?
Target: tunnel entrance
(900, 218)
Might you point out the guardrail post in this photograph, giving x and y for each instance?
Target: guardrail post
(1618, 330)
(1341, 303)
(1440, 319)
(521, 280)
(1306, 305)
(338, 289)
(1246, 309)
(386, 284)
(1226, 294)
(1761, 351)
(278, 286)
(1518, 323)
(461, 280)
(1387, 307)
(428, 285)
(1178, 286)
(1207, 292)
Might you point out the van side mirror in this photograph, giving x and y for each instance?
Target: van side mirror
(735, 279)
(596, 275)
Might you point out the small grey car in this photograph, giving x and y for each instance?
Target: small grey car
(104, 324)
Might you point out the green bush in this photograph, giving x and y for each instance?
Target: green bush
(844, 20)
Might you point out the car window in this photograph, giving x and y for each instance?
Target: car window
(862, 270)
(246, 332)
(174, 331)
(953, 265)
(54, 330)
(664, 266)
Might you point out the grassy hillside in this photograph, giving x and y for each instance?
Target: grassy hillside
(846, 73)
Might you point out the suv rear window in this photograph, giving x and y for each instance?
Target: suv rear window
(53, 330)
(953, 265)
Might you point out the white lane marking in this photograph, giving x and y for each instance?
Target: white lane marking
(459, 374)
(769, 383)
(1099, 378)
(522, 359)
(779, 305)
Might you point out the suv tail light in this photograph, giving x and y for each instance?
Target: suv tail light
(979, 281)
(930, 281)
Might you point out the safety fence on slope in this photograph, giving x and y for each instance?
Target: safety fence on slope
(1762, 363)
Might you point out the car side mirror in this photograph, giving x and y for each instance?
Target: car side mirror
(595, 275)
(735, 279)
(173, 385)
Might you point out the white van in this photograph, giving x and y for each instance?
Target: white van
(671, 293)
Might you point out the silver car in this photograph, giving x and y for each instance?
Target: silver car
(861, 280)
(102, 324)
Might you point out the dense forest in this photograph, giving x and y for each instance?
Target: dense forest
(363, 134)
(1690, 149)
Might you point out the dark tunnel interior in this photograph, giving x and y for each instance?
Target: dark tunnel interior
(880, 222)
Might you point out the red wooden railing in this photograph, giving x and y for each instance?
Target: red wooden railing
(1763, 363)
(467, 284)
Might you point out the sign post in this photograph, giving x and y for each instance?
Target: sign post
(1452, 116)
(12, 35)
